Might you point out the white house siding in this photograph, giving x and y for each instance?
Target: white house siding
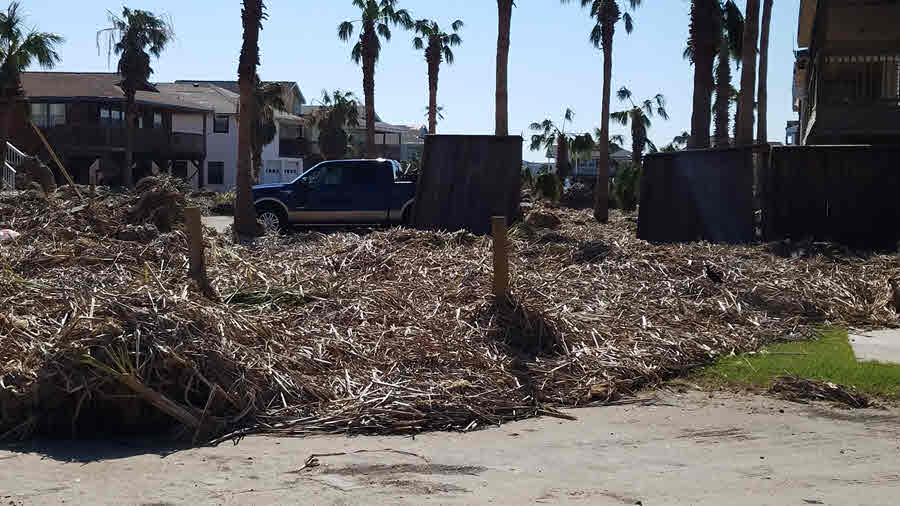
(276, 169)
(222, 147)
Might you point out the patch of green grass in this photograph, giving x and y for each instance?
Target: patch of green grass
(827, 358)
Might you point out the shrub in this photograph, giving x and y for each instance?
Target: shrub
(547, 186)
(626, 187)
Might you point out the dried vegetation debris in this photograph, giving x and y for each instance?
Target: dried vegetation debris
(387, 331)
(803, 390)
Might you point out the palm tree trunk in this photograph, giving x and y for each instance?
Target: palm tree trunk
(562, 158)
(704, 29)
(434, 67)
(762, 130)
(369, 41)
(723, 99)
(601, 188)
(504, 8)
(637, 142)
(244, 214)
(748, 73)
(127, 173)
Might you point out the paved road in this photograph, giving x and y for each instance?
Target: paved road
(686, 449)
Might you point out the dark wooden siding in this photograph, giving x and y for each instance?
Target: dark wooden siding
(847, 194)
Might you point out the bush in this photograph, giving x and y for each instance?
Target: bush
(547, 186)
(527, 178)
(579, 196)
(626, 187)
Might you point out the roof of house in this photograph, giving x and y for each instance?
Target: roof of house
(232, 86)
(97, 85)
(218, 99)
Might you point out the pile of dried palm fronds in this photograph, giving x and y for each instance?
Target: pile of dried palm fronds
(803, 390)
(378, 332)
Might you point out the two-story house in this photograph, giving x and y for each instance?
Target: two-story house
(282, 159)
(847, 73)
(82, 117)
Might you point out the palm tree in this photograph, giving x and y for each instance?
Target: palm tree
(339, 110)
(501, 111)
(438, 112)
(131, 37)
(748, 73)
(376, 21)
(704, 39)
(19, 48)
(269, 98)
(729, 48)
(762, 131)
(606, 13)
(549, 135)
(639, 116)
(252, 16)
(437, 44)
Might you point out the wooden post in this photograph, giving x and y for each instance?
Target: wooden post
(56, 159)
(501, 259)
(197, 270)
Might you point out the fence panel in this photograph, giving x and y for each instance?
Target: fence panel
(846, 194)
(698, 195)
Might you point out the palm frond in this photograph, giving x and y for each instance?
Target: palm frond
(620, 117)
(345, 31)
(623, 94)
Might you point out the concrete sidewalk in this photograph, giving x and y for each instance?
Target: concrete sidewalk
(690, 448)
(880, 345)
(220, 223)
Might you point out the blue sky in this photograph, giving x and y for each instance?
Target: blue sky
(552, 64)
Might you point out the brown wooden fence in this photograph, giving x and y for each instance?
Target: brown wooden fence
(846, 194)
(698, 195)
(467, 179)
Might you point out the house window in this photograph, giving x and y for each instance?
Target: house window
(110, 116)
(220, 124)
(157, 120)
(215, 173)
(48, 115)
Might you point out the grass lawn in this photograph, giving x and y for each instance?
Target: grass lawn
(828, 358)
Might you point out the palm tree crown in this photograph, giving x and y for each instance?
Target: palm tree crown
(134, 37)
(20, 47)
(436, 42)
(639, 116)
(379, 15)
(549, 135)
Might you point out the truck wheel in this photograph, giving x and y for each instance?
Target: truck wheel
(271, 218)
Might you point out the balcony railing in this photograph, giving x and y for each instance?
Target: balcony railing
(292, 148)
(92, 138)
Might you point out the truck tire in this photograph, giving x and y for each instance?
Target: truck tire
(271, 217)
(406, 219)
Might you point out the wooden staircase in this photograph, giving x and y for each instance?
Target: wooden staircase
(14, 157)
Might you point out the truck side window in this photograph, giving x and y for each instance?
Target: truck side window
(364, 174)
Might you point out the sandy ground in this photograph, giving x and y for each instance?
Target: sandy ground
(681, 448)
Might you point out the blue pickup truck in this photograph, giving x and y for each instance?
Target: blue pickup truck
(338, 192)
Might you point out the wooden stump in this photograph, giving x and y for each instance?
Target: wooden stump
(466, 180)
(501, 257)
